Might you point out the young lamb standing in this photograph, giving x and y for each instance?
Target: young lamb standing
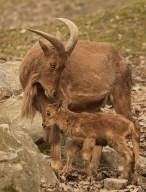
(88, 130)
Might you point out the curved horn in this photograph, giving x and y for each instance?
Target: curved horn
(58, 45)
(73, 35)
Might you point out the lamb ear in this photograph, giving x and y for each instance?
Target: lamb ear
(60, 103)
(44, 47)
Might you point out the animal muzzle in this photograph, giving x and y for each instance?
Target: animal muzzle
(44, 126)
(51, 95)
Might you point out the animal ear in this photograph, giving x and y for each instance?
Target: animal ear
(60, 103)
(44, 47)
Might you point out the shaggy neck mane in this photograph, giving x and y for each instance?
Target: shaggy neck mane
(28, 111)
(30, 93)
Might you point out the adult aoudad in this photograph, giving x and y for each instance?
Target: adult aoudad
(85, 74)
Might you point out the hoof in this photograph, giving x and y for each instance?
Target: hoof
(57, 166)
(65, 169)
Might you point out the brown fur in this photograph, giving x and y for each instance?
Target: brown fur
(94, 74)
(34, 71)
(89, 129)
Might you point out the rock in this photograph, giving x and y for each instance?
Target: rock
(10, 114)
(141, 179)
(103, 190)
(111, 158)
(12, 73)
(5, 89)
(21, 163)
(11, 108)
(77, 160)
(113, 184)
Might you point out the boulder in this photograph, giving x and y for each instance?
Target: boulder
(5, 89)
(10, 108)
(113, 159)
(111, 183)
(10, 114)
(110, 158)
(12, 73)
(21, 163)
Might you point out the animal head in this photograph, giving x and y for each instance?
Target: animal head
(53, 109)
(42, 66)
(51, 57)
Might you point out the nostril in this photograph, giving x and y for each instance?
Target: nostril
(55, 94)
(44, 126)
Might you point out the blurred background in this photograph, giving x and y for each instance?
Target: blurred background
(122, 23)
(21, 13)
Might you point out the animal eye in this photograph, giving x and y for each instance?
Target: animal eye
(52, 65)
(48, 114)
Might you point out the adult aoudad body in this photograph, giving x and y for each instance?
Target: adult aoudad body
(85, 74)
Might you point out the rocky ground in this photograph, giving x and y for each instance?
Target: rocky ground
(77, 181)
